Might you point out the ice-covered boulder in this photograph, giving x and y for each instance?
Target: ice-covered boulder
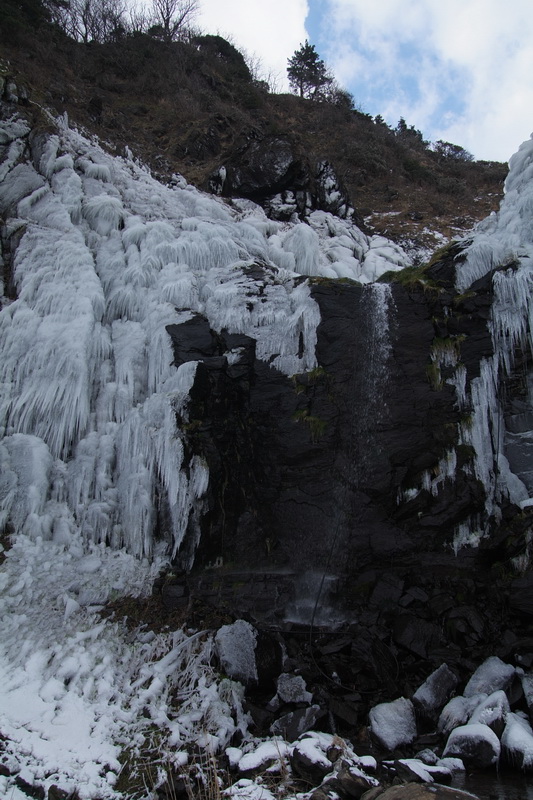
(269, 757)
(393, 724)
(457, 712)
(490, 676)
(476, 745)
(349, 782)
(517, 742)
(412, 769)
(492, 712)
(292, 689)
(246, 789)
(309, 761)
(527, 688)
(235, 645)
(432, 695)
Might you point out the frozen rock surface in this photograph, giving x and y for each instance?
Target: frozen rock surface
(235, 646)
(292, 689)
(309, 761)
(458, 711)
(492, 675)
(436, 690)
(492, 712)
(393, 724)
(476, 745)
(517, 742)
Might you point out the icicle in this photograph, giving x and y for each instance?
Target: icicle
(103, 213)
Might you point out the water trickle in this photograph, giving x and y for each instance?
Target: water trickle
(369, 409)
(360, 462)
(313, 602)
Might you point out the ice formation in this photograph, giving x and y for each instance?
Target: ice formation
(92, 460)
(107, 258)
(502, 248)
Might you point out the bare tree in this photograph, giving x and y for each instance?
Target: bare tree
(172, 18)
(94, 20)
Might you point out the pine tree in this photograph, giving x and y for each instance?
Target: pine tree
(307, 73)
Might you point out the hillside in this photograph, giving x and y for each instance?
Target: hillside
(190, 107)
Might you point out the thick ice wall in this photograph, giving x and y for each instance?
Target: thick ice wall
(506, 235)
(502, 246)
(107, 258)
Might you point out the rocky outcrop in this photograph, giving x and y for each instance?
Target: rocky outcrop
(357, 465)
(274, 172)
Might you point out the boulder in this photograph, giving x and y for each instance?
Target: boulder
(521, 594)
(292, 689)
(293, 724)
(269, 755)
(527, 687)
(413, 769)
(417, 635)
(517, 742)
(350, 783)
(393, 724)
(432, 695)
(235, 646)
(457, 712)
(418, 791)
(492, 675)
(309, 762)
(265, 167)
(246, 789)
(492, 712)
(476, 745)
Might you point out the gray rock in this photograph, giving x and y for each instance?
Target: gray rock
(492, 675)
(476, 745)
(418, 791)
(492, 712)
(427, 757)
(457, 712)
(235, 646)
(292, 689)
(527, 687)
(434, 693)
(309, 762)
(393, 724)
(417, 635)
(517, 743)
(413, 769)
(293, 724)
(350, 783)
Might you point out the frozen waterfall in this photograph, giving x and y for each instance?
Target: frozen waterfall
(103, 258)
(502, 248)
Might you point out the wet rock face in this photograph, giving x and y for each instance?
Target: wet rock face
(320, 468)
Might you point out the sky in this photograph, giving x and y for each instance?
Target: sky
(459, 70)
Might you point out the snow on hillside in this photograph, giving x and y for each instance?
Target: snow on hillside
(104, 257)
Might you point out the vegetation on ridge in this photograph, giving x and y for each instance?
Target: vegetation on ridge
(189, 105)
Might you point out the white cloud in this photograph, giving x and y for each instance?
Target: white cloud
(459, 70)
(271, 30)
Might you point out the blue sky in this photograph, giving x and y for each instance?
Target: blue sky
(459, 70)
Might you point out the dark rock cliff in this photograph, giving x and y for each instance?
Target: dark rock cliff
(312, 513)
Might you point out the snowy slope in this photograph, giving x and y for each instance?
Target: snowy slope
(104, 257)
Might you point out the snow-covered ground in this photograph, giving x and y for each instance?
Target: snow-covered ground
(104, 257)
